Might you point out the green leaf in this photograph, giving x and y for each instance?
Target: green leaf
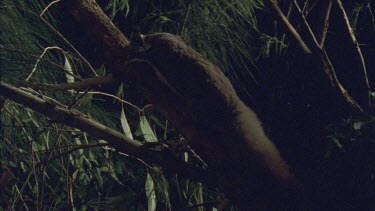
(146, 130)
(125, 125)
(68, 68)
(150, 193)
(23, 167)
(74, 176)
(99, 177)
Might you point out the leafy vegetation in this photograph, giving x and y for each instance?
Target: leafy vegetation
(45, 165)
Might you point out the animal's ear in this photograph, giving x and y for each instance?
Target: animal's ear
(146, 45)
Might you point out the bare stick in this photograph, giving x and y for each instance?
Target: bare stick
(40, 58)
(322, 55)
(48, 6)
(292, 30)
(70, 151)
(355, 42)
(117, 98)
(325, 24)
(61, 37)
(306, 24)
(81, 85)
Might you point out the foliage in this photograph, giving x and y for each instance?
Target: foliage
(349, 164)
(53, 166)
(239, 36)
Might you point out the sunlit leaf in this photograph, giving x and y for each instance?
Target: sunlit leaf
(147, 132)
(150, 193)
(125, 124)
(68, 68)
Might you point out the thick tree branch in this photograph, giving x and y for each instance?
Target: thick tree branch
(71, 118)
(114, 46)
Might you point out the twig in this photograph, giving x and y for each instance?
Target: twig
(358, 48)
(117, 98)
(307, 25)
(40, 58)
(70, 145)
(46, 98)
(307, 10)
(86, 146)
(48, 6)
(81, 85)
(60, 36)
(292, 30)
(33, 55)
(325, 24)
(320, 53)
(331, 73)
(185, 20)
(372, 15)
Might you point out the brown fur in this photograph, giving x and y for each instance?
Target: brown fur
(197, 97)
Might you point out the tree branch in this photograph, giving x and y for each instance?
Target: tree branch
(70, 151)
(71, 118)
(359, 51)
(292, 30)
(321, 55)
(323, 34)
(79, 86)
(117, 140)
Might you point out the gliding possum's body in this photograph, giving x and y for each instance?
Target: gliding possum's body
(197, 97)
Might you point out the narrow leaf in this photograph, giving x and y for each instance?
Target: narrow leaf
(125, 125)
(68, 68)
(147, 132)
(150, 193)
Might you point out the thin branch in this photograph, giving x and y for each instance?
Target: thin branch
(48, 6)
(325, 24)
(39, 94)
(321, 54)
(371, 14)
(358, 48)
(292, 30)
(331, 73)
(307, 25)
(81, 146)
(117, 98)
(307, 10)
(19, 122)
(81, 85)
(24, 53)
(70, 151)
(66, 41)
(40, 58)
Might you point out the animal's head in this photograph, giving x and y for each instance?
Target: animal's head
(158, 39)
